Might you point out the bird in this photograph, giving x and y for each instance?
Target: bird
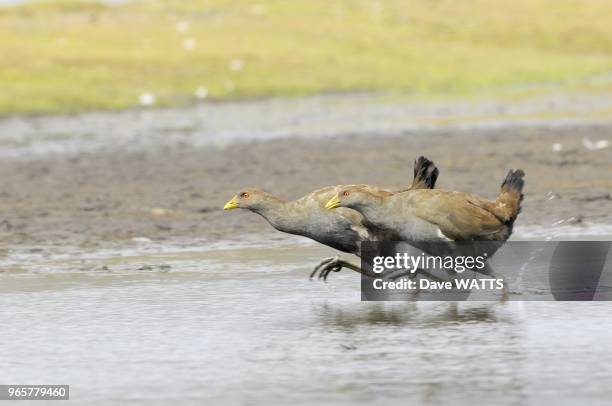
(433, 220)
(342, 229)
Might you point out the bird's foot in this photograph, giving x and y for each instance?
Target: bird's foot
(324, 267)
(332, 264)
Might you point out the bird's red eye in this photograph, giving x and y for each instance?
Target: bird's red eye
(245, 195)
(346, 193)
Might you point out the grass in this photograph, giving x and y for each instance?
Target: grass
(72, 56)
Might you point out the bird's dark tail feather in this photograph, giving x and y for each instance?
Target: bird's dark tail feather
(511, 196)
(425, 174)
(514, 182)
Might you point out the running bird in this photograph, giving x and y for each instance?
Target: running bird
(342, 229)
(426, 218)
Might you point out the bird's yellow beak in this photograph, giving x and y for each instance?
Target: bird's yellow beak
(332, 203)
(232, 204)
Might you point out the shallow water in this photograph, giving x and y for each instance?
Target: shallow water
(243, 325)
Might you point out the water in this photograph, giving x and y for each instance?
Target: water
(243, 325)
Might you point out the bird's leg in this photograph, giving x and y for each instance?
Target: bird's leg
(331, 264)
(399, 273)
(321, 265)
(334, 264)
(326, 272)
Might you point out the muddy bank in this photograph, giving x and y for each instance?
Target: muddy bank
(177, 191)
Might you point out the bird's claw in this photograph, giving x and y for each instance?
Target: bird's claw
(329, 269)
(325, 267)
(320, 265)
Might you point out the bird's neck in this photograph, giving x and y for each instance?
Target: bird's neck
(373, 214)
(278, 214)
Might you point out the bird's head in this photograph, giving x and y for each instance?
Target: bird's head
(250, 199)
(354, 197)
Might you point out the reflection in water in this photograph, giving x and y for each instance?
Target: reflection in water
(435, 352)
(215, 328)
(348, 317)
(400, 314)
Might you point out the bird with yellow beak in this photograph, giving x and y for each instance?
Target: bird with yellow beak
(343, 229)
(433, 219)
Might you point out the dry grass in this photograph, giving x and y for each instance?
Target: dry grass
(69, 56)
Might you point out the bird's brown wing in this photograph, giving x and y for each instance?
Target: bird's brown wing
(459, 216)
(322, 196)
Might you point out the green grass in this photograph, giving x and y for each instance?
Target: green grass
(71, 56)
